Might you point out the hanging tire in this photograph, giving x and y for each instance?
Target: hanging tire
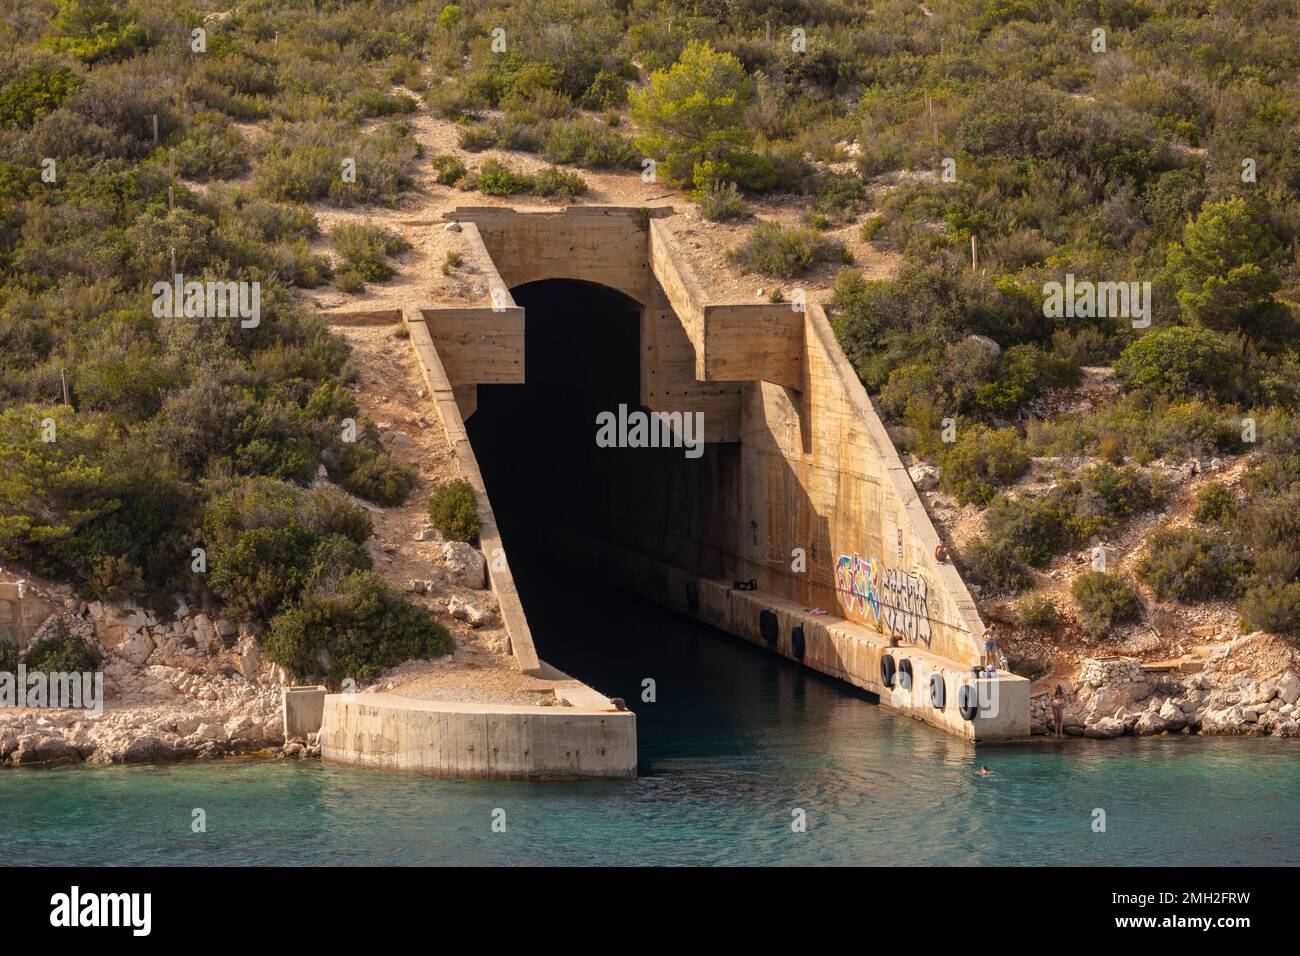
(767, 626)
(905, 674)
(798, 644)
(938, 692)
(968, 701)
(887, 670)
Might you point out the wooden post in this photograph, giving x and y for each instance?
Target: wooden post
(63, 374)
(173, 262)
(155, 129)
(974, 255)
(171, 198)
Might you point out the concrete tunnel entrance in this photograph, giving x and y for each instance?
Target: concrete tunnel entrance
(553, 489)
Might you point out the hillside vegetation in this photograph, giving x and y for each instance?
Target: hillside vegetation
(1076, 142)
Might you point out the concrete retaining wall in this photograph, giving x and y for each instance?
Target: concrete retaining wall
(832, 645)
(478, 741)
(499, 576)
(304, 708)
(21, 612)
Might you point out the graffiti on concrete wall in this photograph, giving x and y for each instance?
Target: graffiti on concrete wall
(906, 606)
(855, 583)
(902, 599)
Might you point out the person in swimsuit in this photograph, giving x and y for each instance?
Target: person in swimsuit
(990, 647)
(1058, 710)
(984, 771)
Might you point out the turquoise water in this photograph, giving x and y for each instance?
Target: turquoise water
(736, 740)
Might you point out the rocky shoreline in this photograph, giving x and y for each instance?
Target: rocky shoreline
(191, 688)
(195, 688)
(1114, 697)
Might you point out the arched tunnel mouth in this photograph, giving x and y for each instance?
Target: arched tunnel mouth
(559, 499)
(544, 446)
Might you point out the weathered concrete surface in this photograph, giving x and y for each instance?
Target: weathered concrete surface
(731, 343)
(481, 345)
(499, 576)
(800, 490)
(478, 741)
(830, 643)
(22, 612)
(303, 710)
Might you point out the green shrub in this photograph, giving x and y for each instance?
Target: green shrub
(1038, 613)
(450, 170)
(41, 90)
(1179, 362)
(211, 149)
(1105, 497)
(981, 460)
(1023, 373)
(781, 253)
(62, 653)
(454, 510)
(8, 658)
(590, 145)
(366, 470)
(1271, 607)
(1215, 503)
(94, 31)
(1035, 529)
(721, 202)
(1190, 565)
(349, 280)
(324, 510)
(257, 548)
(497, 179)
(385, 161)
(553, 181)
(1104, 601)
(995, 564)
(296, 173)
(355, 628)
(455, 102)
(365, 248)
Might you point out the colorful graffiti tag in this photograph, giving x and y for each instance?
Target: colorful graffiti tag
(855, 584)
(902, 598)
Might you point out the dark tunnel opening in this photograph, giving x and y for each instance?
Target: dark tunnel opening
(553, 488)
(536, 443)
(547, 478)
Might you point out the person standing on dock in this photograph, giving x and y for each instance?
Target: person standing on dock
(990, 648)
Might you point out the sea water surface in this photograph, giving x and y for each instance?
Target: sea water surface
(735, 745)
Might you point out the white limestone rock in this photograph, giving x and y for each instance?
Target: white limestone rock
(464, 565)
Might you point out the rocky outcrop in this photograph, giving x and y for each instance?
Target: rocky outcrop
(191, 687)
(1115, 696)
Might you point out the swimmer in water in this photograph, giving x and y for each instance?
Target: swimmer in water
(984, 771)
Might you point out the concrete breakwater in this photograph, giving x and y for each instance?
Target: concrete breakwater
(472, 740)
